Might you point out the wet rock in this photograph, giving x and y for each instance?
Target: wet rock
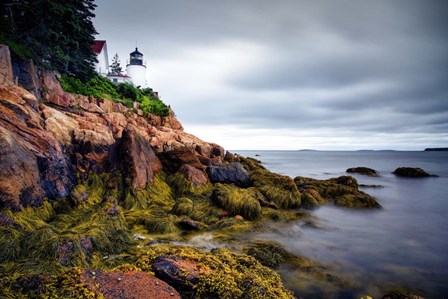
(132, 284)
(228, 173)
(345, 180)
(363, 170)
(412, 172)
(239, 217)
(178, 272)
(312, 198)
(188, 224)
(343, 191)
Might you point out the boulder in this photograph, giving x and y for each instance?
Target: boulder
(137, 158)
(194, 175)
(411, 172)
(363, 170)
(179, 272)
(132, 284)
(175, 159)
(228, 173)
(343, 191)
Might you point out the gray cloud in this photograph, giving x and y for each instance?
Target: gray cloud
(350, 67)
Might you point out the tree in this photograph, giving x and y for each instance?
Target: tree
(58, 34)
(115, 68)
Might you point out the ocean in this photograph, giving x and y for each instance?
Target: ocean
(403, 245)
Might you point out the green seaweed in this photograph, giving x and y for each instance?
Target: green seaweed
(236, 201)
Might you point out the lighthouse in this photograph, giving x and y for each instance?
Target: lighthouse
(136, 68)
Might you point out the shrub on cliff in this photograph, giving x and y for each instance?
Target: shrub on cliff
(101, 87)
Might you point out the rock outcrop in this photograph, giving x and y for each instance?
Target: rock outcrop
(229, 173)
(138, 159)
(6, 74)
(44, 145)
(33, 163)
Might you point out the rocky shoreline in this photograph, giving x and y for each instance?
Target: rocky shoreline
(93, 194)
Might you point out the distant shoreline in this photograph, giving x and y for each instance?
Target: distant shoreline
(437, 149)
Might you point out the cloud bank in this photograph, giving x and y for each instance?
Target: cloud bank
(294, 74)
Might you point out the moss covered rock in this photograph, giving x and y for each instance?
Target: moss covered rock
(363, 170)
(411, 172)
(221, 274)
(342, 191)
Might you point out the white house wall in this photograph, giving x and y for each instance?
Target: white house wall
(102, 67)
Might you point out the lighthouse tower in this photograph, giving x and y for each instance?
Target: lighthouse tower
(136, 68)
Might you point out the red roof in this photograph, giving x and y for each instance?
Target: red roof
(98, 46)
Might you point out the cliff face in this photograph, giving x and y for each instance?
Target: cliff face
(45, 146)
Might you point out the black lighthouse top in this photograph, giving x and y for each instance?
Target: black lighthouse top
(136, 58)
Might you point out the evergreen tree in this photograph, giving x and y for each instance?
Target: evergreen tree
(58, 33)
(115, 68)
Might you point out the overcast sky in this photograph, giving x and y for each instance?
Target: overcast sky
(292, 74)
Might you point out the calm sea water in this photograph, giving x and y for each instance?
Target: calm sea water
(402, 245)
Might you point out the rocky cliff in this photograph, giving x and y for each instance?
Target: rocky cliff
(45, 144)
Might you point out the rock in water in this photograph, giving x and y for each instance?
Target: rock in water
(412, 172)
(228, 173)
(363, 170)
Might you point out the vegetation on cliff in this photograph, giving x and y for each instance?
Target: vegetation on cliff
(101, 87)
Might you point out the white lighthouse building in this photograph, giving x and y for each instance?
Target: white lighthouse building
(136, 69)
